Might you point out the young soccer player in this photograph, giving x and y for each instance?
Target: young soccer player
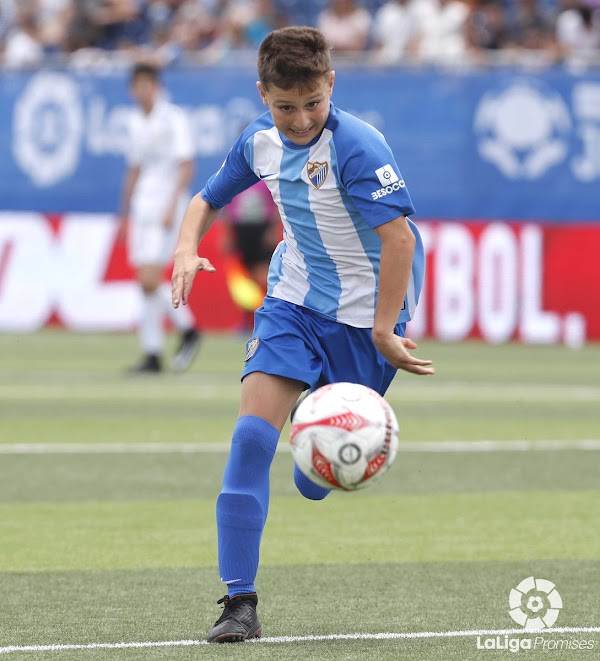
(342, 283)
(155, 195)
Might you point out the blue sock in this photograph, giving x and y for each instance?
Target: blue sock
(243, 503)
(308, 488)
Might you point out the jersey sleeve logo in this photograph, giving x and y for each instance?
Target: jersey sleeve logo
(389, 180)
(317, 173)
(386, 175)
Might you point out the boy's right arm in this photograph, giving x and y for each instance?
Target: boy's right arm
(198, 218)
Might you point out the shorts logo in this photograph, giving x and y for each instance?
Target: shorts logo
(386, 175)
(251, 348)
(317, 173)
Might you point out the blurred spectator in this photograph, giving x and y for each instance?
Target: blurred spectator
(54, 17)
(125, 23)
(264, 17)
(109, 33)
(82, 32)
(487, 26)
(394, 30)
(532, 27)
(345, 25)
(163, 49)
(231, 36)
(8, 10)
(83, 38)
(443, 32)
(195, 25)
(110, 24)
(578, 32)
(243, 26)
(23, 46)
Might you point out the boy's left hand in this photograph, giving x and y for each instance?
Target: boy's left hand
(395, 350)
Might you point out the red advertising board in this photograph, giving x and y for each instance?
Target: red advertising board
(500, 281)
(536, 282)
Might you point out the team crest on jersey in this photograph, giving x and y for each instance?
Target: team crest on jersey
(251, 348)
(317, 173)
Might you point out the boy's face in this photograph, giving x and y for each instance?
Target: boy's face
(299, 115)
(144, 90)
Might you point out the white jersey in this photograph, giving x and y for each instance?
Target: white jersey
(331, 195)
(159, 143)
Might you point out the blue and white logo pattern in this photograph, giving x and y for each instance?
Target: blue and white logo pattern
(48, 128)
(523, 129)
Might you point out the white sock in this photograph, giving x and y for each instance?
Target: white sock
(182, 317)
(151, 327)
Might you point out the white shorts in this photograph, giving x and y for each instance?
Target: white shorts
(148, 242)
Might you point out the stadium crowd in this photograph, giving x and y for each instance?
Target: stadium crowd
(96, 33)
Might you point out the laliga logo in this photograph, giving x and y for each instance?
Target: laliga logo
(522, 129)
(535, 603)
(48, 128)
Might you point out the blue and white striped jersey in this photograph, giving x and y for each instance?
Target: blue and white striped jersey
(331, 194)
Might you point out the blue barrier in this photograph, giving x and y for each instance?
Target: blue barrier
(495, 144)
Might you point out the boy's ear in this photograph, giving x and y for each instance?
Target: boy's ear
(331, 81)
(261, 91)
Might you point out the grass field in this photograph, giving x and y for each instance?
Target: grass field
(108, 483)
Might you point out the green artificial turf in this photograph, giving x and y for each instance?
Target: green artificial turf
(101, 546)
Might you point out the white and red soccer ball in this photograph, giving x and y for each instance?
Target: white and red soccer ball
(344, 436)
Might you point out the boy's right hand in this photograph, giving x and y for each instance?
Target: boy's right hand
(185, 267)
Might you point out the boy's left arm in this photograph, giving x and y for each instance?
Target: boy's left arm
(397, 248)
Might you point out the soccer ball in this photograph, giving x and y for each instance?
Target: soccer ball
(344, 436)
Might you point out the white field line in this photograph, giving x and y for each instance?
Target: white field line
(304, 639)
(193, 392)
(592, 444)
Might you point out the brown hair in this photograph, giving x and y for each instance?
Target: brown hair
(145, 69)
(294, 57)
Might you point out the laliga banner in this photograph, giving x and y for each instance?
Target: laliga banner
(498, 281)
(470, 144)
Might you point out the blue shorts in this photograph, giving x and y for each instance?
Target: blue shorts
(295, 342)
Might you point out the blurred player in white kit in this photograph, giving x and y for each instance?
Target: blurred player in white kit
(155, 196)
